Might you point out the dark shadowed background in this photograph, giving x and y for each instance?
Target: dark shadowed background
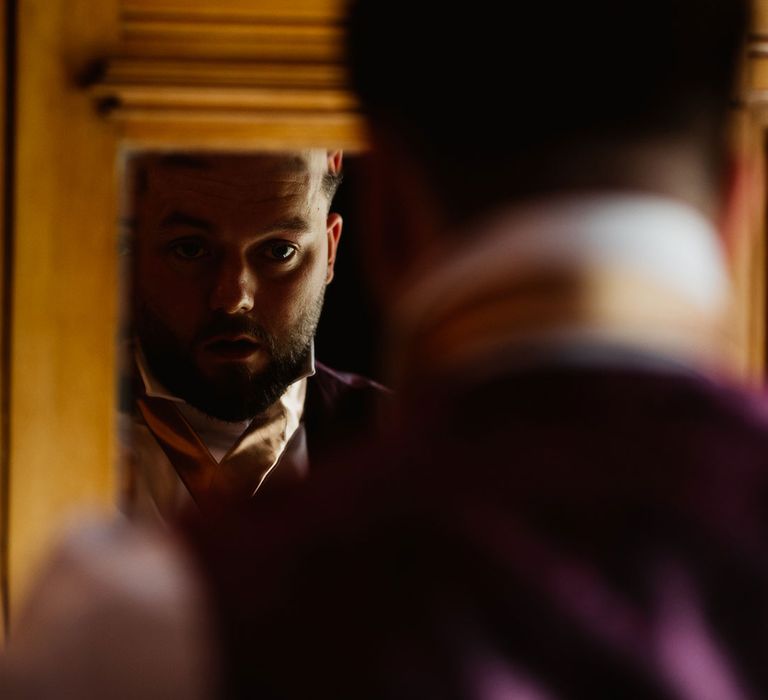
(349, 333)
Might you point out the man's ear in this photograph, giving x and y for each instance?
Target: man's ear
(334, 162)
(333, 232)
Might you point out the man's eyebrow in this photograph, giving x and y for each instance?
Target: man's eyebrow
(178, 218)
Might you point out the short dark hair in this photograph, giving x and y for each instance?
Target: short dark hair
(494, 98)
(331, 182)
(140, 163)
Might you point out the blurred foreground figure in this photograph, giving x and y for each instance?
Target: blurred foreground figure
(117, 613)
(573, 504)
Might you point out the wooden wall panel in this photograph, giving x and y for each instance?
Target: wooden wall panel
(316, 10)
(102, 77)
(748, 254)
(268, 29)
(233, 74)
(64, 282)
(4, 329)
(761, 17)
(751, 252)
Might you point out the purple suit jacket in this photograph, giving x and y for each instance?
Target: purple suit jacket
(340, 408)
(571, 532)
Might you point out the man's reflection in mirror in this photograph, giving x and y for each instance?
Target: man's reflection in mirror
(222, 397)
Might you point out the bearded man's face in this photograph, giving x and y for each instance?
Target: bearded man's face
(231, 257)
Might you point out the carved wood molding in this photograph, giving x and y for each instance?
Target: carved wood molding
(147, 84)
(236, 10)
(177, 102)
(265, 39)
(237, 73)
(288, 30)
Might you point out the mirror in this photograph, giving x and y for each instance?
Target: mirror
(228, 262)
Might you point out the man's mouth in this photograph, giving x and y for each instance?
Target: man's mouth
(233, 348)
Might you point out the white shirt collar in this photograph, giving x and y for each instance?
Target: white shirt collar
(662, 239)
(220, 436)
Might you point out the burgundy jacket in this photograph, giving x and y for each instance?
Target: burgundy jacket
(340, 407)
(567, 531)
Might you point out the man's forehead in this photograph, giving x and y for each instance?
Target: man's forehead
(229, 176)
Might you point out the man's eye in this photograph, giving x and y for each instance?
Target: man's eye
(189, 250)
(281, 251)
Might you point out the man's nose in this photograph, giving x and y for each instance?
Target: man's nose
(234, 288)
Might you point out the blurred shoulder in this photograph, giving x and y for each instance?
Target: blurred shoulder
(110, 599)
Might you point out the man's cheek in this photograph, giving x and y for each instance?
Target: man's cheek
(282, 309)
(180, 314)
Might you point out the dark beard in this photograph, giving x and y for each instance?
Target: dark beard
(235, 394)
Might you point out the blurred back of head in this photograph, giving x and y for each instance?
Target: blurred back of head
(516, 100)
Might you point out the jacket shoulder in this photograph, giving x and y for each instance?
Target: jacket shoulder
(341, 382)
(341, 408)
